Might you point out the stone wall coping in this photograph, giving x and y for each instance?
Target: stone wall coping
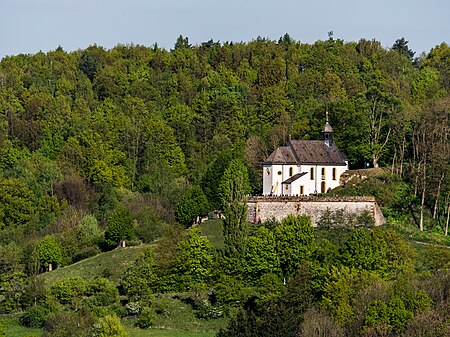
(310, 198)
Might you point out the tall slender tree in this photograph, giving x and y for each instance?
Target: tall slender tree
(233, 187)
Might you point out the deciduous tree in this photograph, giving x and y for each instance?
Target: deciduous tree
(49, 252)
(120, 227)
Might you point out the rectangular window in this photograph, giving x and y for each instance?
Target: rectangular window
(311, 173)
(302, 190)
(334, 173)
(323, 173)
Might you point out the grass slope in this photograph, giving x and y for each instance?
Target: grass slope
(110, 264)
(212, 229)
(14, 329)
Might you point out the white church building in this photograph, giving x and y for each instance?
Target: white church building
(304, 167)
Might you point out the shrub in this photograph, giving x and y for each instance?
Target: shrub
(69, 289)
(34, 317)
(68, 324)
(85, 253)
(146, 318)
(109, 326)
(102, 292)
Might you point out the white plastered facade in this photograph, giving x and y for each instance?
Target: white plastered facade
(320, 180)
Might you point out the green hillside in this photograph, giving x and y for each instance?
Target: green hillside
(109, 264)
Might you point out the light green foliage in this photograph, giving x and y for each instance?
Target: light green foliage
(399, 254)
(101, 292)
(233, 188)
(340, 290)
(294, 239)
(2, 331)
(191, 205)
(398, 314)
(377, 314)
(139, 280)
(380, 251)
(426, 86)
(16, 203)
(48, 252)
(228, 291)
(39, 173)
(163, 147)
(438, 58)
(69, 290)
(89, 228)
(364, 251)
(408, 290)
(147, 318)
(120, 227)
(109, 326)
(194, 259)
(260, 256)
(100, 160)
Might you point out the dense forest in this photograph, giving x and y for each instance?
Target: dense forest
(132, 144)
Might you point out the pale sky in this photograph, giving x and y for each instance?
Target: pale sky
(28, 26)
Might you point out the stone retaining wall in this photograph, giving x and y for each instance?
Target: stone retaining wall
(262, 208)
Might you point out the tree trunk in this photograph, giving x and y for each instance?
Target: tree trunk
(416, 180)
(438, 194)
(421, 209)
(393, 160)
(375, 162)
(422, 204)
(402, 154)
(448, 219)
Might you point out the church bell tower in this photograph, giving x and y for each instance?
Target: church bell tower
(327, 132)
